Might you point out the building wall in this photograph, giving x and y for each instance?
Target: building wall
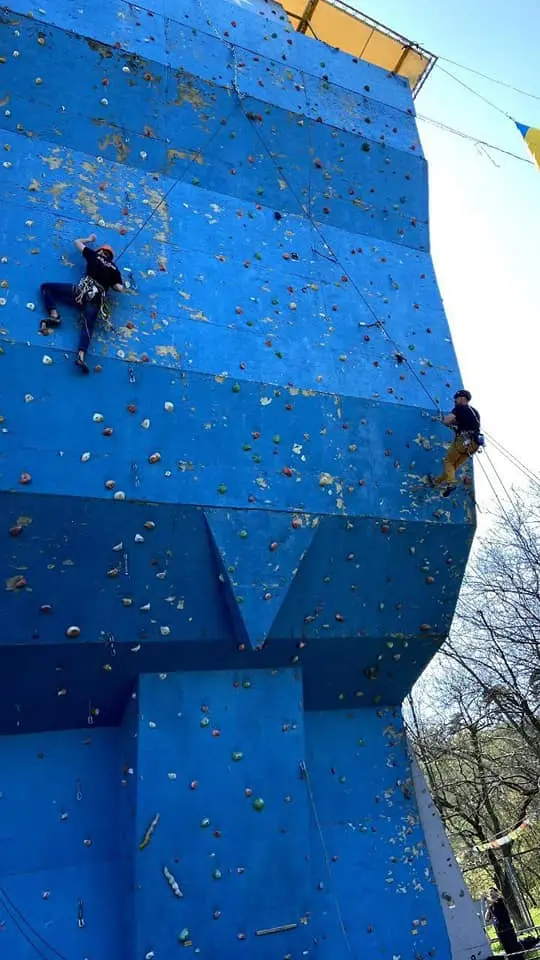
(234, 493)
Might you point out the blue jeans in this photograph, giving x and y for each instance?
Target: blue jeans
(53, 293)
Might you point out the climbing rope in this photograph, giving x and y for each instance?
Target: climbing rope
(19, 919)
(305, 776)
(194, 159)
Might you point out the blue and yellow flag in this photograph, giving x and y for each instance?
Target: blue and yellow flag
(531, 135)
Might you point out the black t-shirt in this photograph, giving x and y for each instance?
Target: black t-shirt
(106, 273)
(499, 914)
(467, 419)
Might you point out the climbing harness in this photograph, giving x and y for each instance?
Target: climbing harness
(88, 290)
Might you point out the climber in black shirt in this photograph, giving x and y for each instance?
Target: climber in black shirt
(465, 422)
(89, 294)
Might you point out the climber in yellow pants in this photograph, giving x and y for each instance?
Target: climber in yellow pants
(465, 421)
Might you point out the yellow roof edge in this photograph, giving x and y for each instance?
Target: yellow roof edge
(338, 24)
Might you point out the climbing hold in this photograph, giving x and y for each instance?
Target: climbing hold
(148, 834)
(25, 478)
(258, 804)
(172, 883)
(73, 632)
(16, 530)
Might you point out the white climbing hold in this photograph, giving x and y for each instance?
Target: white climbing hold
(171, 776)
(104, 102)
(127, 70)
(136, 649)
(28, 398)
(29, 223)
(127, 601)
(47, 360)
(169, 407)
(164, 631)
(145, 608)
(143, 154)
(145, 424)
(3, 301)
(119, 495)
(30, 306)
(85, 456)
(98, 418)
(138, 538)
(118, 547)
(326, 479)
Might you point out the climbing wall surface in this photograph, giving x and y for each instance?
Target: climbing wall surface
(217, 548)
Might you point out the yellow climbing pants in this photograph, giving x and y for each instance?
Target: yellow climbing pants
(457, 454)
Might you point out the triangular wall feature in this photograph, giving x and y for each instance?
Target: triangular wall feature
(259, 553)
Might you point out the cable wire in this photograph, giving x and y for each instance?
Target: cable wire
(476, 94)
(469, 136)
(514, 461)
(485, 76)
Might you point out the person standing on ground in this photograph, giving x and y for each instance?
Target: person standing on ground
(497, 914)
(89, 294)
(464, 420)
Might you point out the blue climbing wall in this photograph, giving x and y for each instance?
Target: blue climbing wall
(221, 568)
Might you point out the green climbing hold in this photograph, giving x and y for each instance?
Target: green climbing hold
(216, 874)
(276, 438)
(258, 804)
(235, 388)
(205, 721)
(246, 684)
(237, 755)
(243, 534)
(222, 488)
(366, 147)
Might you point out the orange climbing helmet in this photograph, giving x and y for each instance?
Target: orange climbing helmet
(107, 249)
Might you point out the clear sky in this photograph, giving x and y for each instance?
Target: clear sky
(485, 213)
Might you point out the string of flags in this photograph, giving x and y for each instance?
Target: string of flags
(513, 834)
(531, 135)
